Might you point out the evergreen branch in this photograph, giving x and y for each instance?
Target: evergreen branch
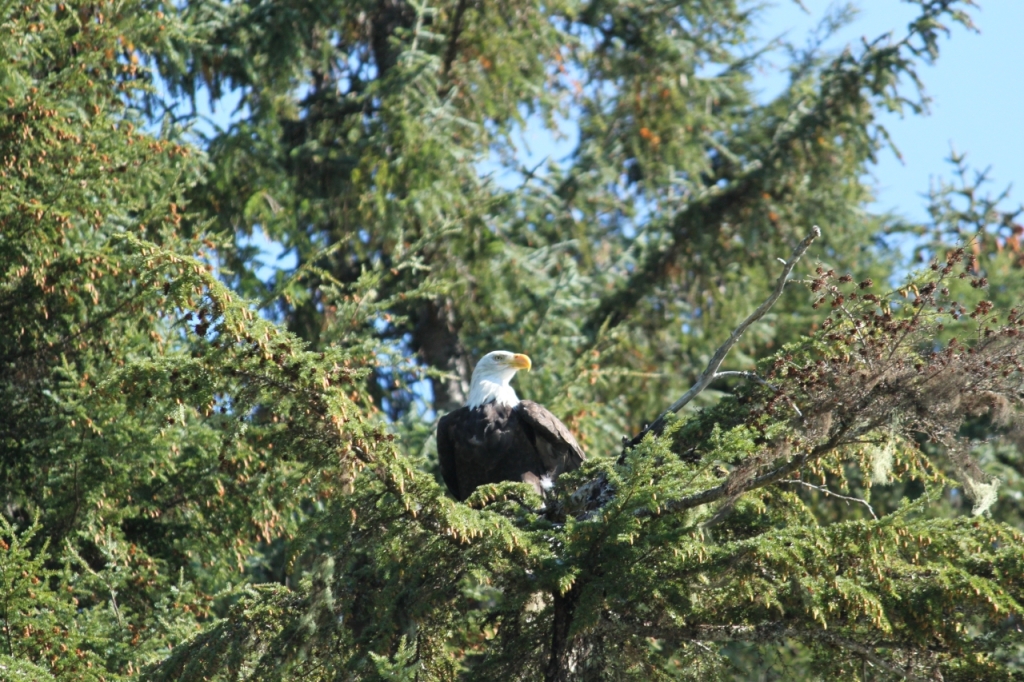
(65, 341)
(767, 632)
(775, 631)
(870, 656)
(842, 435)
(842, 85)
(709, 373)
(753, 376)
(824, 489)
(307, 268)
(709, 207)
(728, 488)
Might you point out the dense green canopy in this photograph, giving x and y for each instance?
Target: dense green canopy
(209, 472)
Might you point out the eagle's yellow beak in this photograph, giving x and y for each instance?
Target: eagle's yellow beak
(520, 361)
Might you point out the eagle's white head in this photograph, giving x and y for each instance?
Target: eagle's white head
(491, 377)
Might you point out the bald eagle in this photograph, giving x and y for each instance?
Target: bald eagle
(497, 437)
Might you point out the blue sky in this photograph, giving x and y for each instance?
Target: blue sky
(977, 91)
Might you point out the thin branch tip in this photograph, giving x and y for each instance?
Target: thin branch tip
(831, 493)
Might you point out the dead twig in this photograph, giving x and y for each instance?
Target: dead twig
(827, 492)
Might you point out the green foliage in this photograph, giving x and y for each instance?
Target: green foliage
(209, 474)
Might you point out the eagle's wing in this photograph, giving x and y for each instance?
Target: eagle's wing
(557, 445)
(446, 451)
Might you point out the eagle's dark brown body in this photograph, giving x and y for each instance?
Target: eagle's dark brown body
(493, 443)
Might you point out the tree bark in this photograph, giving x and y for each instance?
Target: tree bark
(559, 666)
(436, 339)
(388, 17)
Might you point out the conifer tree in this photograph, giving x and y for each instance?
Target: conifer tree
(211, 475)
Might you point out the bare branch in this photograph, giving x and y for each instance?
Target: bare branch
(827, 492)
(745, 375)
(708, 375)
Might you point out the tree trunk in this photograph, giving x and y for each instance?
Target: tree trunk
(436, 339)
(559, 666)
(389, 16)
